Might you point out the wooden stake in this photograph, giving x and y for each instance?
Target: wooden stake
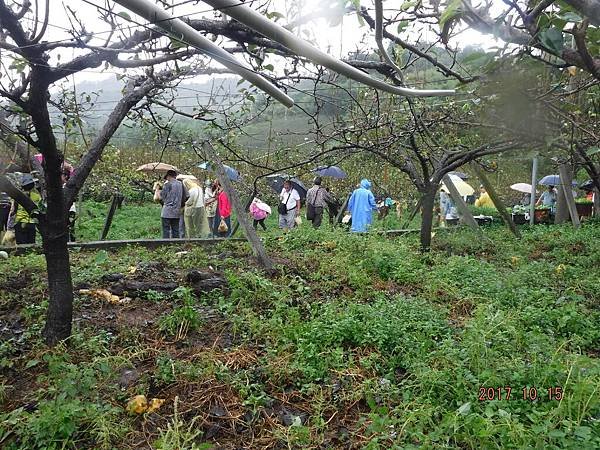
(462, 207)
(496, 199)
(109, 217)
(255, 243)
(413, 213)
(567, 188)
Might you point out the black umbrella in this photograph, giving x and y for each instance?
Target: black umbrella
(276, 183)
(587, 185)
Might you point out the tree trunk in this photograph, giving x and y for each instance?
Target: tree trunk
(60, 288)
(54, 230)
(427, 202)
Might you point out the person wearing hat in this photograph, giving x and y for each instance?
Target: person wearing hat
(317, 198)
(24, 223)
(172, 197)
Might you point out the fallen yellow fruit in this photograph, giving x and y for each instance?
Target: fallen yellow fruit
(155, 403)
(140, 404)
(101, 294)
(137, 404)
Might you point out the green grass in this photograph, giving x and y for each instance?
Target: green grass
(362, 338)
(142, 221)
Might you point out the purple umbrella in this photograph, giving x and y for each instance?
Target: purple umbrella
(330, 171)
(552, 180)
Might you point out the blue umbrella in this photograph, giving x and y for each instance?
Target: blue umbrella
(330, 171)
(276, 183)
(233, 174)
(552, 180)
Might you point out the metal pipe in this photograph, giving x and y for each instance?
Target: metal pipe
(181, 30)
(269, 29)
(534, 168)
(379, 38)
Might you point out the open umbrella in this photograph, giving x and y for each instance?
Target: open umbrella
(461, 175)
(587, 185)
(263, 206)
(463, 188)
(521, 187)
(552, 180)
(276, 183)
(233, 174)
(158, 167)
(182, 177)
(330, 171)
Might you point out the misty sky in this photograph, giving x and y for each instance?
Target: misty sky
(337, 40)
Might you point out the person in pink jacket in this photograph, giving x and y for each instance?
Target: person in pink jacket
(259, 212)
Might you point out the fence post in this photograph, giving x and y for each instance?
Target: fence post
(496, 199)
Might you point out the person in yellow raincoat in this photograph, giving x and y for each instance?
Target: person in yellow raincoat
(484, 200)
(24, 223)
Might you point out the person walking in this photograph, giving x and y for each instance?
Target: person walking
(24, 223)
(361, 206)
(259, 212)
(4, 213)
(172, 197)
(289, 206)
(317, 199)
(222, 220)
(210, 204)
(194, 214)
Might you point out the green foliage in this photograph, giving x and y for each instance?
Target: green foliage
(366, 326)
(179, 435)
(183, 318)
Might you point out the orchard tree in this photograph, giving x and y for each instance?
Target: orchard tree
(149, 61)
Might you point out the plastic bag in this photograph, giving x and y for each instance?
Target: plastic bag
(223, 228)
(298, 221)
(9, 240)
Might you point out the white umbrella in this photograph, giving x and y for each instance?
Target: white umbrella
(263, 206)
(521, 187)
(462, 187)
(182, 177)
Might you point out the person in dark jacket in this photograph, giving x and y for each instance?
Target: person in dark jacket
(172, 197)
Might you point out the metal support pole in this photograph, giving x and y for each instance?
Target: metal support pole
(534, 169)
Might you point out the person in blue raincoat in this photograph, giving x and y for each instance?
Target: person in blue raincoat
(361, 206)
